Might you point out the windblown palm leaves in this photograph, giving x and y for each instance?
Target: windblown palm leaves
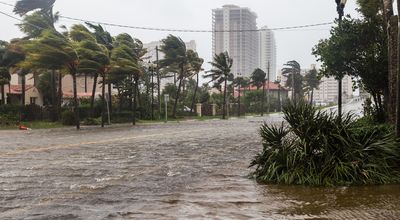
(23, 7)
(258, 78)
(319, 148)
(179, 60)
(126, 58)
(292, 72)
(33, 24)
(5, 76)
(221, 73)
(74, 53)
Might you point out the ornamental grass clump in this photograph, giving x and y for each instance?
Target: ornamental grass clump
(314, 147)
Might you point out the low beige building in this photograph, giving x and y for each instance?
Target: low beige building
(13, 93)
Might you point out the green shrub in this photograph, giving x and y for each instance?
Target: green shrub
(121, 117)
(8, 120)
(68, 118)
(92, 121)
(318, 148)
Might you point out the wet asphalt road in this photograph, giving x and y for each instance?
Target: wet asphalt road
(190, 170)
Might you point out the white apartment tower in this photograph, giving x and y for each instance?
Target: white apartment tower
(233, 31)
(267, 51)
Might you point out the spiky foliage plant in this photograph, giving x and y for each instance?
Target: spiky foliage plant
(317, 148)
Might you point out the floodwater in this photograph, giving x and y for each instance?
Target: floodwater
(190, 170)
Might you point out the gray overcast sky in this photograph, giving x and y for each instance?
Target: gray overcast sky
(196, 14)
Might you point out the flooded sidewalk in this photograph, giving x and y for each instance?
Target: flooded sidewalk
(190, 170)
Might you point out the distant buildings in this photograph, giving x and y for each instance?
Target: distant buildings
(267, 49)
(328, 89)
(229, 25)
(151, 49)
(152, 56)
(234, 31)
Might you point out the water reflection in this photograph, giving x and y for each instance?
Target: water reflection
(367, 202)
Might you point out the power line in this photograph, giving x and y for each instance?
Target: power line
(18, 19)
(181, 30)
(193, 30)
(5, 3)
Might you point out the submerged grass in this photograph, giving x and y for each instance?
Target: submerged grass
(321, 149)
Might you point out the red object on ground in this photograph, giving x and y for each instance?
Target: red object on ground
(23, 128)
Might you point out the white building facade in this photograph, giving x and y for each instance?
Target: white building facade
(231, 25)
(152, 56)
(328, 90)
(267, 49)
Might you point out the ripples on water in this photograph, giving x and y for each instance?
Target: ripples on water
(198, 175)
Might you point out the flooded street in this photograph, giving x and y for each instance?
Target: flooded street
(190, 170)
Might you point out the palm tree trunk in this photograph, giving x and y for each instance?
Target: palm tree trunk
(134, 102)
(139, 103)
(23, 89)
(60, 94)
(178, 92)
(131, 91)
(53, 87)
(3, 95)
(76, 104)
(195, 93)
(86, 83)
(103, 98)
(94, 94)
(110, 98)
(224, 104)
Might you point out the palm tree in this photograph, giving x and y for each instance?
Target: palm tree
(240, 82)
(197, 64)
(94, 59)
(125, 65)
(221, 73)
(258, 79)
(53, 50)
(104, 38)
(44, 18)
(312, 81)
(12, 56)
(176, 58)
(5, 76)
(292, 72)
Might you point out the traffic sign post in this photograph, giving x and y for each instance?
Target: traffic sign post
(166, 100)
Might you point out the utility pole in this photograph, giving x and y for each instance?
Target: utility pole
(152, 91)
(239, 84)
(158, 85)
(268, 79)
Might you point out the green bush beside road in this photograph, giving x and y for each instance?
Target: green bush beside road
(317, 148)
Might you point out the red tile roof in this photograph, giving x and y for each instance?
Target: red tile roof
(17, 89)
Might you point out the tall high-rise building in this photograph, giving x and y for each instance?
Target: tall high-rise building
(231, 25)
(267, 49)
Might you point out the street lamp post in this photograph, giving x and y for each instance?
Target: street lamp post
(166, 100)
(340, 9)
